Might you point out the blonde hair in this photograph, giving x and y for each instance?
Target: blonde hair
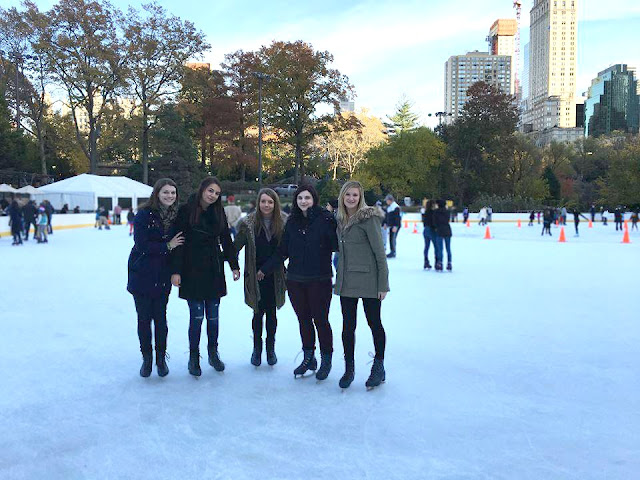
(342, 215)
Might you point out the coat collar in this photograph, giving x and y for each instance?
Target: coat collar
(361, 215)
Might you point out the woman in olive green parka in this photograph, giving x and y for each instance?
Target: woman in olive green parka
(260, 232)
(362, 273)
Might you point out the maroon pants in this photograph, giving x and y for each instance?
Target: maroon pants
(311, 301)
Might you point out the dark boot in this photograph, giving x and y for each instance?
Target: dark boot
(438, 266)
(161, 362)
(325, 366)
(147, 362)
(349, 374)
(194, 363)
(256, 356)
(427, 265)
(271, 352)
(449, 267)
(308, 363)
(378, 374)
(214, 360)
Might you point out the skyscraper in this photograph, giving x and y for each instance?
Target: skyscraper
(612, 102)
(502, 41)
(462, 71)
(552, 64)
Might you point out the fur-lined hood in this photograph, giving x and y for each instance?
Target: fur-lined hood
(360, 216)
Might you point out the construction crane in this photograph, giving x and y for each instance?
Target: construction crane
(517, 4)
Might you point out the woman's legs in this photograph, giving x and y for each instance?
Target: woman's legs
(145, 315)
(426, 233)
(212, 308)
(298, 295)
(437, 242)
(349, 308)
(372, 307)
(196, 315)
(320, 300)
(447, 244)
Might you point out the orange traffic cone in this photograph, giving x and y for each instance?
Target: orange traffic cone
(625, 237)
(468, 223)
(626, 225)
(406, 224)
(556, 222)
(519, 224)
(562, 238)
(415, 227)
(590, 224)
(487, 234)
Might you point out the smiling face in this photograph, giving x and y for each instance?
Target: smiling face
(351, 199)
(266, 205)
(167, 195)
(304, 200)
(210, 195)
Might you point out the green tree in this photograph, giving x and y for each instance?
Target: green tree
(481, 141)
(80, 42)
(301, 82)
(158, 45)
(404, 118)
(407, 165)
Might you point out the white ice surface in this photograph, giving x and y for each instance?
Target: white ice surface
(521, 364)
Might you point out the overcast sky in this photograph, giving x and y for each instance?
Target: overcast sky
(391, 48)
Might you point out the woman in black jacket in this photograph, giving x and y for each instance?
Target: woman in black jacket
(308, 241)
(442, 233)
(428, 231)
(198, 267)
(149, 270)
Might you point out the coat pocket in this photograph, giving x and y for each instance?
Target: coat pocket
(359, 268)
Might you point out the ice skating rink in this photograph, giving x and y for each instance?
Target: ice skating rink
(522, 364)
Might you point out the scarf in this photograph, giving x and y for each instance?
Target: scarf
(266, 225)
(168, 216)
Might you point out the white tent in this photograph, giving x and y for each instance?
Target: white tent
(27, 190)
(5, 188)
(88, 191)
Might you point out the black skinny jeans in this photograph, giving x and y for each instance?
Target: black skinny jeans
(372, 308)
(311, 302)
(152, 309)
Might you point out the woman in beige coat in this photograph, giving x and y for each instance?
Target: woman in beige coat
(260, 232)
(362, 273)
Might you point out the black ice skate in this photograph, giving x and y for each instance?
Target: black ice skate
(308, 363)
(378, 375)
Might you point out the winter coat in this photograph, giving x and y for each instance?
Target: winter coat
(308, 243)
(246, 238)
(393, 218)
(441, 222)
(29, 213)
(200, 261)
(149, 262)
(427, 218)
(233, 213)
(362, 267)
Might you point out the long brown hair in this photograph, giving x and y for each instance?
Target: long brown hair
(154, 200)
(217, 205)
(277, 225)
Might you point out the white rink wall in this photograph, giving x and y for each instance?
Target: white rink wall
(60, 221)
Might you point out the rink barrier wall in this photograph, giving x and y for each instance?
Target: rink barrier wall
(83, 220)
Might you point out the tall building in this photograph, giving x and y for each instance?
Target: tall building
(462, 71)
(502, 41)
(552, 64)
(612, 102)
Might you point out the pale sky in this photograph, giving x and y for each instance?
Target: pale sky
(391, 48)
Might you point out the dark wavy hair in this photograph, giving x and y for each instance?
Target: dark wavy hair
(295, 209)
(154, 200)
(197, 210)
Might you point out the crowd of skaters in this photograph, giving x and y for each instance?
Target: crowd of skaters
(23, 215)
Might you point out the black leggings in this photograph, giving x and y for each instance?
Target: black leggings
(152, 309)
(271, 325)
(311, 302)
(372, 308)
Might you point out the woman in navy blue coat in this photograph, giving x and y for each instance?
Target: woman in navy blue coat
(150, 272)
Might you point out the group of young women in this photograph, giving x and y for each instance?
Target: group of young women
(187, 246)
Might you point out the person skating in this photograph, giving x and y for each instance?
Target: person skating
(233, 213)
(547, 219)
(618, 217)
(532, 217)
(442, 234)
(41, 220)
(634, 219)
(482, 215)
(15, 219)
(393, 222)
(130, 217)
(308, 241)
(576, 219)
(198, 267)
(465, 214)
(260, 232)
(428, 232)
(149, 271)
(592, 210)
(362, 274)
(49, 210)
(29, 213)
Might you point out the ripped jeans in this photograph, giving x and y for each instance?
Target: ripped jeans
(197, 311)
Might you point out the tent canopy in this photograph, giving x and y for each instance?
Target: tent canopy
(29, 189)
(5, 188)
(84, 191)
